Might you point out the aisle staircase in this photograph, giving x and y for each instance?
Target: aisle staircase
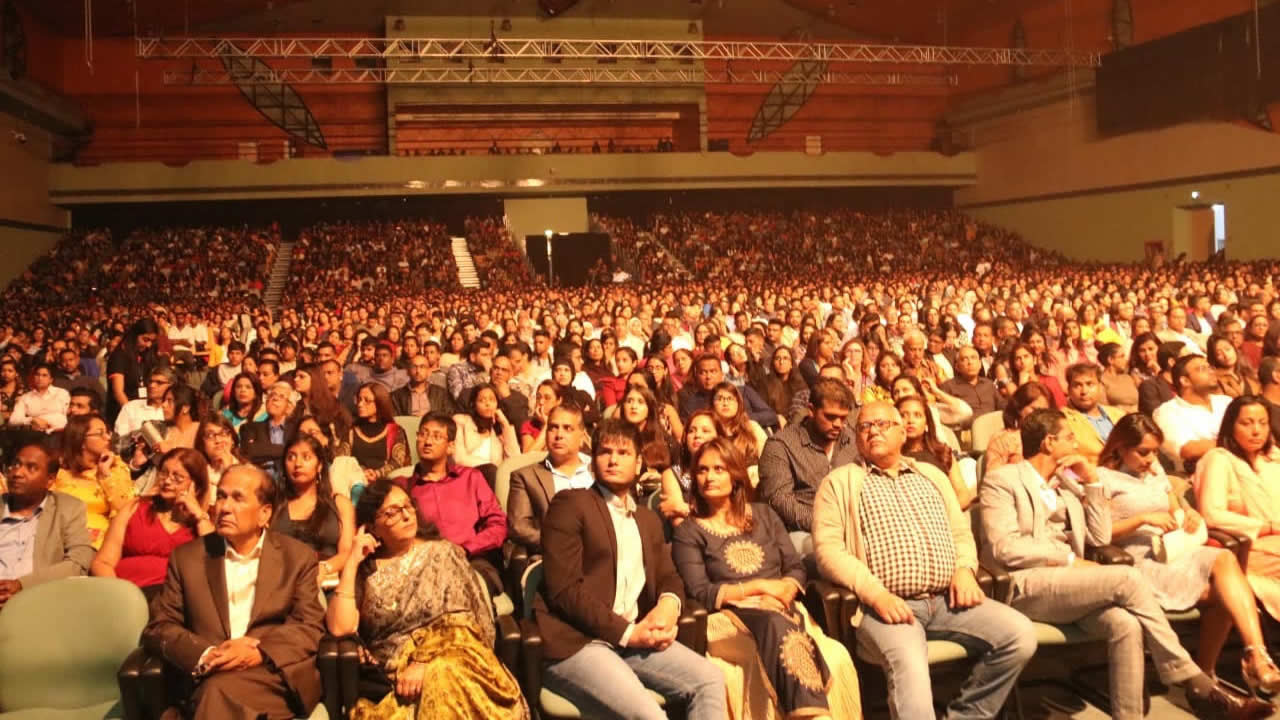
(279, 276)
(467, 275)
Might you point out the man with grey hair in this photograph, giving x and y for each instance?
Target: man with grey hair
(916, 362)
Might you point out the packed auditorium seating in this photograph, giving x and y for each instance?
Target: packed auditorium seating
(849, 350)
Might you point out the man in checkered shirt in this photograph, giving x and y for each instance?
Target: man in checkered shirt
(892, 531)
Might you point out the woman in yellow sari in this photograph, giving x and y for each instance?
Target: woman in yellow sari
(424, 618)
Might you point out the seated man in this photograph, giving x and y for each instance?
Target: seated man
(796, 459)
(1190, 422)
(43, 534)
(70, 376)
(1090, 421)
(1037, 517)
(385, 370)
(43, 408)
(418, 396)
(609, 608)
(239, 611)
(457, 498)
(84, 401)
(533, 486)
(707, 374)
(970, 386)
(892, 531)
(472, 371)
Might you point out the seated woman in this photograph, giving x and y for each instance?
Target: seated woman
(1226, 364)
(562, 374)
(485, 436)
(1119, 384)
(888, 368)
(677, 480)
(639, 408)
(216, 440)
(1144, 509)
(93, 474)
(943, 409)
(312, 512)
(736, 557)
(244, 402)
(1005, 447)
(731, 415)
(779, 386)
(432, 652)
(668, 416)
(183, 407)
(545, 398)
(376, 441)
(1236, 488)
(1022, 368)
(146, 531)
(923, 444)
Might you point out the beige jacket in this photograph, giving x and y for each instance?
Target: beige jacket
(837, 537)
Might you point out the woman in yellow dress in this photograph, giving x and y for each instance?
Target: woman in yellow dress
(424, 617)
(93, 474)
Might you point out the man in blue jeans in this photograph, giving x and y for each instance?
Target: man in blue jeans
(892, 531)
(609, 607)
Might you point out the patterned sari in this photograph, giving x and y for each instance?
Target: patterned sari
(427, 607)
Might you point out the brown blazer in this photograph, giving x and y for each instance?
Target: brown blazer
(575, 605)
(190, 613)
(62, 547)
(528, 499)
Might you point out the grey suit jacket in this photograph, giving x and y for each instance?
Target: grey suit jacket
(532, 488)
(1015, 520)
(62, 547)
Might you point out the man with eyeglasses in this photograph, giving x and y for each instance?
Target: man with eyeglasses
(457, 499)
(891, 530)
(418, 396)
(43, 534)
(136, 412)
(1038, 516)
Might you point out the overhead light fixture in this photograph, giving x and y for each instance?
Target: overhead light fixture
(531, 182)
(490, 184)
(451, 184)
(415, 185)
(1195, 194)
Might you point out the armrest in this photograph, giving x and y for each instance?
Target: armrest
(692, 631)
(508, 641)
(517, 563)
(1228, 540)
(129, 678)
(348, 675)
(995, 583)
(327, 659)
(823, 601)
(848, 608)
(531, 662)
(1108, 555)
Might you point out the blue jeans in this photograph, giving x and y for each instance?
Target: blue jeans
(1002, 638)
(604, 681)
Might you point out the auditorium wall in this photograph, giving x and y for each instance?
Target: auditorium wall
(1046, 173)
(29, 224)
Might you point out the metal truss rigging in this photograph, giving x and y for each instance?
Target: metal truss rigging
(553, 75)
(564, 49)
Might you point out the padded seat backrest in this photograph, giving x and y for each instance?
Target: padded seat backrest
(62, 642)
(502, 480)
(985, 427)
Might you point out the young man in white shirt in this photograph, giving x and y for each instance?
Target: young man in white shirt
(1191, 420)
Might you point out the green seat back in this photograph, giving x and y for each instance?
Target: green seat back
(62, 642)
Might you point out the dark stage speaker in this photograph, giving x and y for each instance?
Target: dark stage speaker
(552, 8)
(572, 255)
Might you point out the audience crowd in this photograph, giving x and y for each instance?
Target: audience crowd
(896, 403)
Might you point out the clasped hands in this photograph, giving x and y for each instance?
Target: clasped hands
(236, 654)
(775, 595)
(964, 593)
(658, 629)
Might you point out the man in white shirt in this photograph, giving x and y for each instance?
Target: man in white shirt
(136, 412)
(1191, 420)
(44, 406)
(249, 655)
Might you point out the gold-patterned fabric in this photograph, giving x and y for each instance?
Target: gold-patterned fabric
(102, 496)
(427, 606)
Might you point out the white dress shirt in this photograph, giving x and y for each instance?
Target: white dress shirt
(242, 582)
(50, 406)
(630, 578)
(133, 414)
(1183, 422)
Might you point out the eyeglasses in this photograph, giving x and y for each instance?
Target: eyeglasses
(389, 513)
(177, 478)
(156, 381)
(216, 435)
(97, 433)
(865, 428)
(437, 436)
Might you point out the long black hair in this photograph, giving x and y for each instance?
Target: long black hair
(367, 514)
(325, 506)
(1227, 433)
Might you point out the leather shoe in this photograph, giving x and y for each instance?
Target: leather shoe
(1223, 704)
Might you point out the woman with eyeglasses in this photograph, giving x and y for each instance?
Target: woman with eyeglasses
(216, 441)
(143, 534)
(1145, 510)
(735, 558)
(428, 655)
(93, 474)
(735, 424)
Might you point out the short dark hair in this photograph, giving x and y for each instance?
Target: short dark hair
(1037, 426)
(1267, 370)
(1168, 353)
(1083, 368)
(235, 345)
(1179, 371)
(826, 391)
(51, 460)
(443, 419)
(635, 357)
(1108, 351)
(614, 429)
(95, 400)
(569, 407)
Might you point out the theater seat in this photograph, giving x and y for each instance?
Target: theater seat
(985, 427)
(409, 426)
(60, 645)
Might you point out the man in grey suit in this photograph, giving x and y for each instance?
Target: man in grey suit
(43, 535)
(533, 486)
(1037, 517)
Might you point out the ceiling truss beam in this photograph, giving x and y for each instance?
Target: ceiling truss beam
(613, 49)
(540, 76)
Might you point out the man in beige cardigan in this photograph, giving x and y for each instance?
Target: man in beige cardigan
(892, 531)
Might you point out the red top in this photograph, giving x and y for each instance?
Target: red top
(144, 558)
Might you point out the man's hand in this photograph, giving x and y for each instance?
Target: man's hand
(1079, 465)
(965, 592)
(39, 424)
(409, 680)
(9, 588)
(238, 654)
(892, 609)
